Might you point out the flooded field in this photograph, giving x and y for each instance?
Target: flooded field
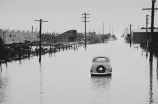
(64, 78)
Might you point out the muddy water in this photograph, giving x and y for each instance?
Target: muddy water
(64, 78)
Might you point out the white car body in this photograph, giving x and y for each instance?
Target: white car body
(101, 66)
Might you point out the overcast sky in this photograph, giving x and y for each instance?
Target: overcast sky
(63, 15)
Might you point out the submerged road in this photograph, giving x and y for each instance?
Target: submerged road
(64, 78)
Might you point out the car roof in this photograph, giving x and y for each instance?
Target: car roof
(107, 58)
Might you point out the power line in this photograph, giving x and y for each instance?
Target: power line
(150, 9)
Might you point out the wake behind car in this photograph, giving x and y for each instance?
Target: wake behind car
(101, 66)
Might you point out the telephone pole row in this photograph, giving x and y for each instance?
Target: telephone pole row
(85, 17)
(40, 37)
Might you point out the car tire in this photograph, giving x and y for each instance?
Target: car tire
(100, 71)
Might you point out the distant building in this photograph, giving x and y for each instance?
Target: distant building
(80, 37)
(1, 34)
(17, 36)
(92, 37)
(139, 35)
(125, 32)
(48, 38)
(68, 36)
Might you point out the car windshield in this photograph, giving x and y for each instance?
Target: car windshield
(101, 59)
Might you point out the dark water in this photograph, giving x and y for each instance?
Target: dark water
(64, 78)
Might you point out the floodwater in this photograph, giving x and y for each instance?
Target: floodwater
(64, 78)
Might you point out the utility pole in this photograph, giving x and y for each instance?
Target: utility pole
(40, 37)
(130, 34)
(152, 25)
(147, 41)
(109, 27)
(152, 28)
(85, 26)
(32, 29)
(103, 28)
(112, 30)
(99, 36)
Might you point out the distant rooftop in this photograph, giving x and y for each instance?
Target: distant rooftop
(143, 30)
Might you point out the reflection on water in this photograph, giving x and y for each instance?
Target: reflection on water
(0, 67)
(41, 84)
(100, 82)
(75, 48)
(1, 90)
(157, 71)
(6, 65)
(157, 63)
(151, 83)
(3, 87)
(50, 54)
(20, 62)
(101, 86)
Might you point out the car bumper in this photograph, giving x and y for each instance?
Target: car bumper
(101, 74)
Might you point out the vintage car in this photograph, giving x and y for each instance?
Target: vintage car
(101, 66)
